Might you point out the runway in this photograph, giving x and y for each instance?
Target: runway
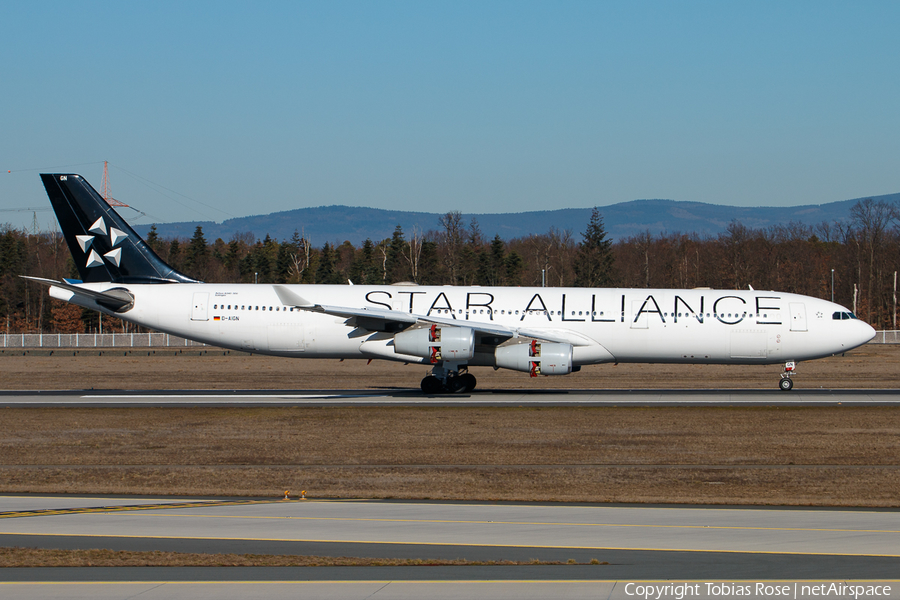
(638, 542)
(485, 398)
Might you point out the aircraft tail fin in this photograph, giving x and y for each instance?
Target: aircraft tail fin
(103, 245)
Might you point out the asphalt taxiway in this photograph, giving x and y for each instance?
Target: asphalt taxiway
(632, 544)
(483, 398)
(656, 542)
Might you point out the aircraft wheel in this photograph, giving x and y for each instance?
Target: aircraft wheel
(786, 384)
(432, 385)
(469, 381)
(455, 385)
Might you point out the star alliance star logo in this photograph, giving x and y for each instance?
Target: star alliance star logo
(114, 256)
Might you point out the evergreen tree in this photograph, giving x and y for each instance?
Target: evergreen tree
(429, 265)
(326, 272)
(197, 255)
(153, 239)
(514, 265)
(594, 262)
(284, 262)
(175, 254)
(232, 259)
(363, 270)
(396, 268)
(261, 262)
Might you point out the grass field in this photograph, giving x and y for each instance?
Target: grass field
(836, 456)
(839, 456)
(872, 366)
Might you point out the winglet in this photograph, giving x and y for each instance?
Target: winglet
(289, 298)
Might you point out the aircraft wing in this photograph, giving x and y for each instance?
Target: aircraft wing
(379, 319)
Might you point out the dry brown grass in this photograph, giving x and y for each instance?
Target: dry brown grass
(37, 557)
(808, 456)
(872, 366)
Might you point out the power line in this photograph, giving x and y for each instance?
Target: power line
(153, 184)
(97, 162)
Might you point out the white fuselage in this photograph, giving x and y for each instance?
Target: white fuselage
(603, 325)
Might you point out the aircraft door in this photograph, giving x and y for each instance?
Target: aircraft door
(798, 316)
(199, 307)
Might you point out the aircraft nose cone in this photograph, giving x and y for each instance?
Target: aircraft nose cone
(866, 333)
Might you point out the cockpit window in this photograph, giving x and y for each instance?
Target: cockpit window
(843, 316)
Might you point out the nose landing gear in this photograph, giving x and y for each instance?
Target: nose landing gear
(451, 379)
(786, 383)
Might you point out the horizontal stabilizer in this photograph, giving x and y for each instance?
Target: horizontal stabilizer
(117, 299)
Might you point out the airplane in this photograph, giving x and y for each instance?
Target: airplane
(535, 330)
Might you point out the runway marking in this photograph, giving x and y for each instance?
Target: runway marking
(450, 544)
(207, 396)
(415, 581)
(524, 398)
(374, 581)
(43, 512)
(539, 523)
(441, 581)
(513, 504)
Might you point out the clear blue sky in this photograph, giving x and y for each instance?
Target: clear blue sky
(473, 106)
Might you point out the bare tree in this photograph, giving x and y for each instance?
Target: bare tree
(451, 243)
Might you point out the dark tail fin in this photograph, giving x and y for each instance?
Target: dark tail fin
(103, 245)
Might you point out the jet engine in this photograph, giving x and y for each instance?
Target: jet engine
(454, 344)
(536, 358)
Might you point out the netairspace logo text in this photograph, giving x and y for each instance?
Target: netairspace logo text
(681, 591)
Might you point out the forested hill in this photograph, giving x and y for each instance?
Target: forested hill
(339, 223)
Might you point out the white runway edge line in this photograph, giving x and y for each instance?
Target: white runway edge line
(591, 399)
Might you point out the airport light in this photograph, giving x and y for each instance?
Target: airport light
(832, 285)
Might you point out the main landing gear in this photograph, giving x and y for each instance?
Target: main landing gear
(445, 379)
(786, 383)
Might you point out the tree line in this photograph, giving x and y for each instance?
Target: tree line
(860, 256)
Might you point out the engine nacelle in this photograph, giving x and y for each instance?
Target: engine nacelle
(536, 358)
(454, 344)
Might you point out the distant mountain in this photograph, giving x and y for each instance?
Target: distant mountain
(339, 223)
